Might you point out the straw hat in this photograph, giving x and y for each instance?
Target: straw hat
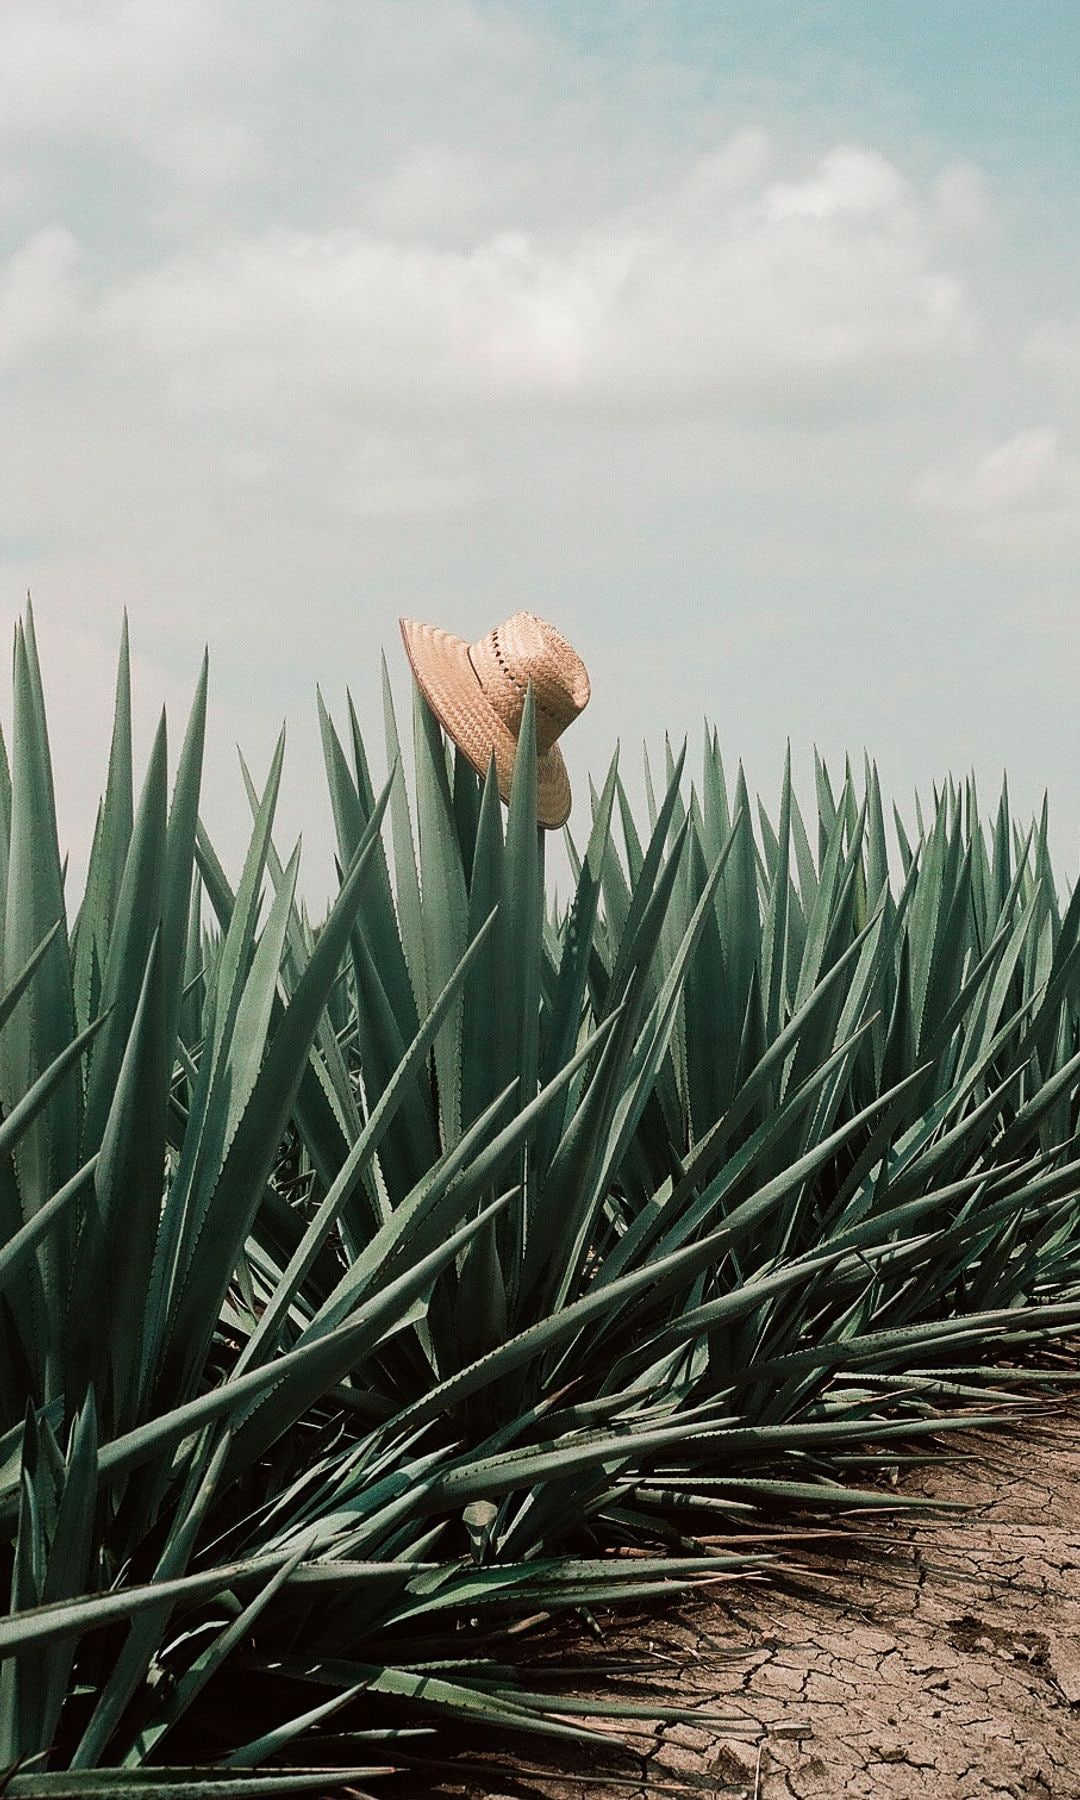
(477, 693)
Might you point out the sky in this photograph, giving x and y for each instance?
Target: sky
(742, 342)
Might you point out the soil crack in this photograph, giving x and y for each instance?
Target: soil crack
(942, 1660)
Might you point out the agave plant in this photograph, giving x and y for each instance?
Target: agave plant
(367, 1285)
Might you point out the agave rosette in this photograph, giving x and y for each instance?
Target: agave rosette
(370, 1284)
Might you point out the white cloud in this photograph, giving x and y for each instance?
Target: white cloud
(1022, 496)
(313, 315)
(718, 177)
(38, 300)
(1055, 348)
(390, 479)
(725, 291)
(428, 190)
(109, 67)
(850, 183)
(961, 201)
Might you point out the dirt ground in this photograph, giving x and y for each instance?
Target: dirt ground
(940, 1661)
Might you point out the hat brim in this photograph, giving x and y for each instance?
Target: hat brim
(449, 683)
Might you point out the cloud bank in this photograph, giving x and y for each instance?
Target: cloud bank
(311, 316)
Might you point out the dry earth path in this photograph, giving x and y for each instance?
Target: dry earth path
(939, 1662)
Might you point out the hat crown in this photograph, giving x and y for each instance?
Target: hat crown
(525, 650)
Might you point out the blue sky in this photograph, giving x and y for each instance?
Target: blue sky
(741, 341)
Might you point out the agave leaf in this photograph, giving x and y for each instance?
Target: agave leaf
(133, 1661)
(137, 923)
(18, 1250)
(484, 1061)
(231, 1207)
(40, 1031)
(296, 1371)
(120, 1216)
(406, 869)
(187, 1688)
(180, 1783)
(264, 1339)
(445, 901)
(23, 1115)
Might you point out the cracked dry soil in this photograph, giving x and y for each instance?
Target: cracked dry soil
(939, 1659)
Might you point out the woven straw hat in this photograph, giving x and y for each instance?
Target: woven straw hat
(477, 693)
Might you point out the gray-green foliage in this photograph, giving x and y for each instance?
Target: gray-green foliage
(366, 1286)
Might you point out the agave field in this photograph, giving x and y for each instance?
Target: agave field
(372, 1286)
